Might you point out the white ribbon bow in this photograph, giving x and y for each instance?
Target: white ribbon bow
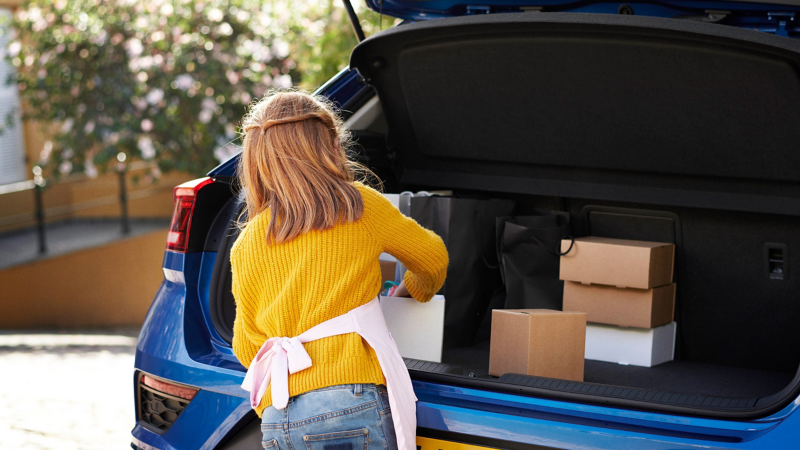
(276, 359)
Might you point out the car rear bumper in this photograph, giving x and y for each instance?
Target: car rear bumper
(452, 414)
(175, 344)
(208, 419)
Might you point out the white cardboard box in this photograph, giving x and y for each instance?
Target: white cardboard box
(394, 198)
(417, 328)
(646, 347)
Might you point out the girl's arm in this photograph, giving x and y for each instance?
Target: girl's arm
(401, 290)
(421, 251)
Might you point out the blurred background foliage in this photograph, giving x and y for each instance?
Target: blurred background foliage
(166, 80)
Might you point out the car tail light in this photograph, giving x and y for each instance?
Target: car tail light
(169, 388)
(185, 196)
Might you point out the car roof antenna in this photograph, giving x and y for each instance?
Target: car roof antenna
(351, 13)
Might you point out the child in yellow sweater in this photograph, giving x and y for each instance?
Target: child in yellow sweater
(308, 252)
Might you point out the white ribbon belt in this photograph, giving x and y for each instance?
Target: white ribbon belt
(280, 356)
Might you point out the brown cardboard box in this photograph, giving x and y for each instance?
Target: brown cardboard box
(626, 307)
(387, 270)
(539, 342)
(617, 262)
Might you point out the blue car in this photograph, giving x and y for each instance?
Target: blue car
(666, 120)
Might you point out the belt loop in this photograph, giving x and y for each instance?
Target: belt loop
(357, 390)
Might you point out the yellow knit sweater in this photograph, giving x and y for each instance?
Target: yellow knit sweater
(282, 290)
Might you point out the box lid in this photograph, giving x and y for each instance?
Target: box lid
(617, 262)
(533, 312)
(623, 242)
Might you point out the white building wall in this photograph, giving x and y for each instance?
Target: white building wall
(12, 149)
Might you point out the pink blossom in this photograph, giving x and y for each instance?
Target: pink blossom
(65, 167)
(134, 47)
(184, 81)
(14, 48)
(47, 150)
(145, 146)
(66, 126)
(208, 103)
(155, 96)
(230, 131)
(89, 169)
(139, 103)
(215, 15)
(282, 81)
(205, 116)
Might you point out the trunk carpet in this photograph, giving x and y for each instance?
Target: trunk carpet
(691, 378)
(676, 376)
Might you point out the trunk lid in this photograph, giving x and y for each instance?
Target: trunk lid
(593, 106)
(745, 13)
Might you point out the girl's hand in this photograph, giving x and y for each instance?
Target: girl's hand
(401, 290)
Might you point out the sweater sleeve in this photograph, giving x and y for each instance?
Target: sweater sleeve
(420, 250)
(244, 349)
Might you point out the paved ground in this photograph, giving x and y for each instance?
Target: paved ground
(66, 390)
(21, 246)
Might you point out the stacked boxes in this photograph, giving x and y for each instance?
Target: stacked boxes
(628, 285)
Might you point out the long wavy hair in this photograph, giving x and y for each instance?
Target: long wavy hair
(295, 165)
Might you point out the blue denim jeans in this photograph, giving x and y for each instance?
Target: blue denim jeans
(344, 417)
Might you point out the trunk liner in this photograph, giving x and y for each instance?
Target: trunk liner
(675, 376)
(690, 377)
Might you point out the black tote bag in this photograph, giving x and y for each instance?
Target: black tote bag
(467, 227)
(528, 251)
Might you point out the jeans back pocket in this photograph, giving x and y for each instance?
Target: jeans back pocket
(340, 440)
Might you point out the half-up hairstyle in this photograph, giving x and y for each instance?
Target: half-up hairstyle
(295, 164)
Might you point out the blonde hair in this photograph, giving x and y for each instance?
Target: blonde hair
(295, 164)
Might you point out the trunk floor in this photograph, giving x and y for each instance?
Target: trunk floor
(675, 376)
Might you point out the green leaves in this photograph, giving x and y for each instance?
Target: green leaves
(165, 80)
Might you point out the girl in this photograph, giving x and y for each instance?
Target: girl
(305, 273)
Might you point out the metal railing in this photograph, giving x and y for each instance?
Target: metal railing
(40, 214)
